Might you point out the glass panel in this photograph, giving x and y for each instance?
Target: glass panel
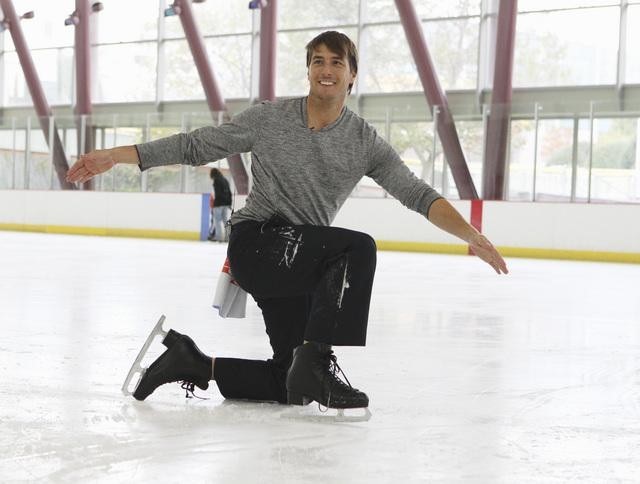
(231, 61)
(46, 28)
(164, 178)
(471, 137)
(55, 70)
(15, 88)
(453, 45)
(386, 10)
(125, 178)
(135, 78)
(521, 157)
(536, 5)
(181, 80)
(560, 48)
(125, 21)
(414, 144)
(70, 139)
(582, 175)
(39, 162)
(214, 17)
(6, 158)
(616, 160)
(230, 58)
(293, 14)
(107, 139)
(633, 40)
(555, 147)
(291, 62)
(20, 154)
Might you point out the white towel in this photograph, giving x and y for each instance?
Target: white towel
(230, 299)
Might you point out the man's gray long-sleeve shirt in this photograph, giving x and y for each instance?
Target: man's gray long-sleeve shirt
(303, 174)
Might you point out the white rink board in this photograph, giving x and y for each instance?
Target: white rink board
(540, 225)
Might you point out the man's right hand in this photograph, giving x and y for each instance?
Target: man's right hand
(99, 161)
(90, 165)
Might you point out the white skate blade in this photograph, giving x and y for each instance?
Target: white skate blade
(136, 367)
(349, 417)
(314, 414)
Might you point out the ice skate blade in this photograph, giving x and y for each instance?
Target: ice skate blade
(330, 415)
(136, 367)
(341, 417)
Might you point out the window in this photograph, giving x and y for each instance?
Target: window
(537, 5)
(55, 70)
(633, 40)
(46, 28)
(213, 17)
(390, 67)
(553, 170)
(134, 79)
(615, 159)
(386, 10)
(575, 47)
(126, 21)
(293, 14)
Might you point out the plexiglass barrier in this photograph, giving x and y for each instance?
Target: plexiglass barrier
(582, 153)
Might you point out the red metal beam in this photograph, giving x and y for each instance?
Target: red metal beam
(498, 123)
(268, 43)
(83, 58)
(436, 97)
(209, 84)
(40, 104)
(83, 80)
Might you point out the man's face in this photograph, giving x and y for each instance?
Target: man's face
(329, 74)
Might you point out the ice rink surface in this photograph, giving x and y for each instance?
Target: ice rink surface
(472, 377)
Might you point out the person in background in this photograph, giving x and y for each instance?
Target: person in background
(220, 204)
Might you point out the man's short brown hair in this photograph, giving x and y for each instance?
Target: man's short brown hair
(337, 43)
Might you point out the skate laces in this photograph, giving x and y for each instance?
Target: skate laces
(189, 390)
(334, 369)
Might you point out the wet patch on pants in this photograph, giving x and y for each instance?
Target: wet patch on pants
(339, 280)
(293, 241)
(345, 284)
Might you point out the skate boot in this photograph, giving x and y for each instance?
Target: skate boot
(313, 376)
(182, 361)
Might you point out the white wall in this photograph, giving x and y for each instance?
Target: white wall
(101, 212)
(582, 231)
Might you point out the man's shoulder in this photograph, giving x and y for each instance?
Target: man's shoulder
(286, 104)
(274, 111)
(356, 122)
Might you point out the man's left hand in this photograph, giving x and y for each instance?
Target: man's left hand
(484, 249)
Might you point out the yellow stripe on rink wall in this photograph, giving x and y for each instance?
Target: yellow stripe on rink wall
(422, 247)
(580, 255)
(111, 232)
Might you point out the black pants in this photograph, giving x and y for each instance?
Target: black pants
(311, 283)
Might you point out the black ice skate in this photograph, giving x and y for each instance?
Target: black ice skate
(181, 362)
(313, 376)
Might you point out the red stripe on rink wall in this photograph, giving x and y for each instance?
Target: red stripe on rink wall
(476, 217)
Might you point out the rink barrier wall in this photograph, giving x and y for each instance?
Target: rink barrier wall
(596, 232)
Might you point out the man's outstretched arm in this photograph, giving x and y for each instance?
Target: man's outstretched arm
(444, 216)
